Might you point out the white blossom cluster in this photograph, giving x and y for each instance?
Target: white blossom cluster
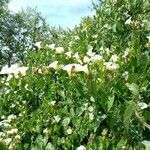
(58, 50)
(112, 64)
(15, 70)
(83, 64)
(9, 135)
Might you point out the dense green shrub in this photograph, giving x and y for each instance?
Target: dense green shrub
(92, 93)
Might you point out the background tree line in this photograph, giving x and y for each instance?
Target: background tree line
(19, 33)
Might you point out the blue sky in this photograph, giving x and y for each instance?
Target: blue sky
(65, 13)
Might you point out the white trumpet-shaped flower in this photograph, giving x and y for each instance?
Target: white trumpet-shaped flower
(38, 44)
(148, 37)
(69, 131)
(59, 50)
(21, 70)
(142, 105)
(68, 54)
(51, 46)
(128, 21)
(90, 53)
(81, 147)
(146, 144)
(111, 65)
(114, 58)
(96, 58)
(86, 59)
(9, 70)
(57, 118)
(54, 65)
(77, 57)
(76, 68)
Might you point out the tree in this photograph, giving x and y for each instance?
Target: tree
(19, 32)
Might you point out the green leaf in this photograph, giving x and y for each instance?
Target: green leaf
(107, 101)
(121, 143)
(110, 102)
(66, 121)
(133, 78)
(130, 108)
(40, 142)
(133, 88)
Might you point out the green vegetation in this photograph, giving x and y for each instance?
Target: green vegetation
(86, 88)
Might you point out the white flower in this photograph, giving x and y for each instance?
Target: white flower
(142, 105)
(107, 50)
(90, 109)
(96, 58)
(62, 140)
(84, 69)
(3, 117)
(69, 130)
(91, 116)
(52, 103)
(111, 65)
(114, 58)
(10, 76)
(76, 68)
(2, 81)
(40, 71)
(125, 75)
(126, 52)
(7, 83)
(12, 105)
(45, 131)
(7, 141)
(59, 50)
(54, 65)
(146, 143)
(128, 21)
(101, 48)
(68, 68)
(107, 26)
(90, 53)
(81, 148)
(12, 131)
(6, 125)
(26, 87)
(92, 99)
(23, 102)
(18, 137)
(11, 117)
(86, 59)
(52, 46)
(77, 57)
(38, 44)
(21, 70)
(68, 54)
(10, 146)
(9, 70)
(148, 37)
(57, 118)
(16, 76)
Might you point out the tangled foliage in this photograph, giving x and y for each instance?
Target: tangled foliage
(90, 91)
